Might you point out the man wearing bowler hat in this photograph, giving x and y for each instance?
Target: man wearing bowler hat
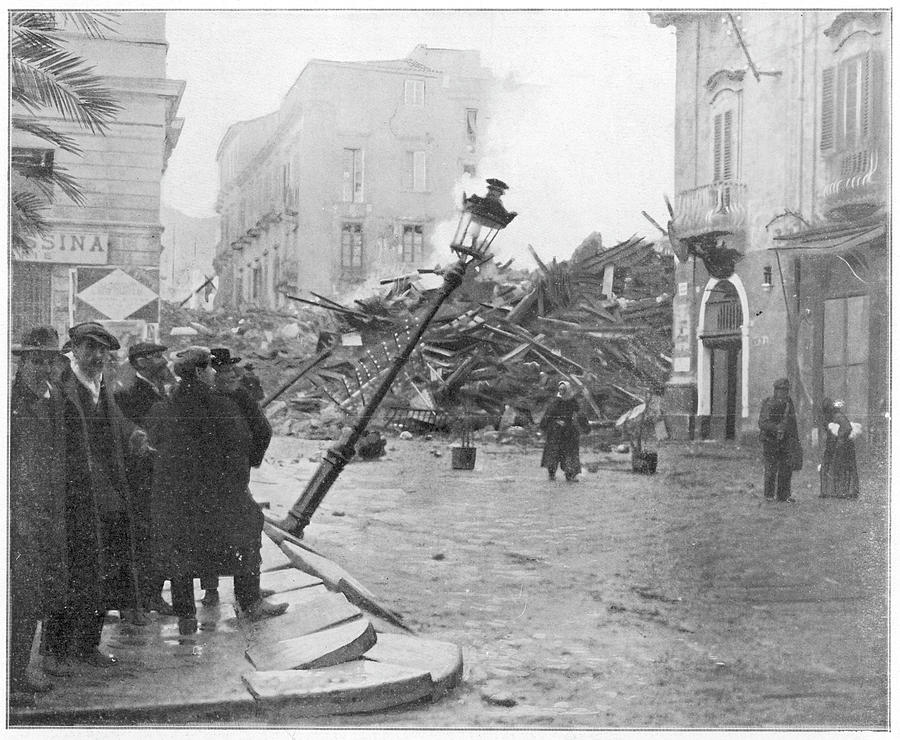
(151, 373)
(99, 515)
(779, 438)
(37, 500)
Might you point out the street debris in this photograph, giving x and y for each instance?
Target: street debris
(491, 357)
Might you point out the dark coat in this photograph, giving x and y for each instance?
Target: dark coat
(561, 423)
(136, 401)
(838, 475)
(37, 500)
(84, 485)
(775, 415)
(201, 509)
(260, 428)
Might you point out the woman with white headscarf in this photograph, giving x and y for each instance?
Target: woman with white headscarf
(562, 422)
(837, 474)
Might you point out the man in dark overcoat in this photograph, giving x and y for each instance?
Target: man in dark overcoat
(231, 381)
(779, 438)
(204, 519)
(151, 373)
(37, 498)
(99, 514)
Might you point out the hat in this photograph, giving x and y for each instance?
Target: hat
(189, 359)
(222, 356)
(142, 349)
(93, 330)
(38, 339)
(781, 383)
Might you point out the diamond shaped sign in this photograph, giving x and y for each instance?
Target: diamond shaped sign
(118, 295)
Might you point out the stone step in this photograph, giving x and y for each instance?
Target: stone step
(443, 660)
(324, 648)
(352, 687)
(287, 579)
(327, 610)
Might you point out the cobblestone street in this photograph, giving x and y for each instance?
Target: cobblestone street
(681, 599)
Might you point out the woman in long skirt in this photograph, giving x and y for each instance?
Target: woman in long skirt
(561, 423)
(838, 476)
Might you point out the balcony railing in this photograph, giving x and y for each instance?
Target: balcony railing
(857, 186)
(719, 206)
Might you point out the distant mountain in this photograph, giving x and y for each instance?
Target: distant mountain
(189, 245)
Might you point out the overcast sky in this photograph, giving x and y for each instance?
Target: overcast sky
(595, 153)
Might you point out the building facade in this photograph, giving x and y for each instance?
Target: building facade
(349, 178)
(100, 261)
(780, 218)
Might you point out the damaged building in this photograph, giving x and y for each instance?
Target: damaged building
(780, 216)
(350, 177)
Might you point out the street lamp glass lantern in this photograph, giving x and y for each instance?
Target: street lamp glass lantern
(480, 221)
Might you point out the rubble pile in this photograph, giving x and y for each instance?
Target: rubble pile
(491, 356)
(497, 347)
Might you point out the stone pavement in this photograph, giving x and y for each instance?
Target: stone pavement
(323, 656)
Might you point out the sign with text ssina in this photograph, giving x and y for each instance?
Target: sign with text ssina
(80, 248)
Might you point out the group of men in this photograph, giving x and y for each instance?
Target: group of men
(84, 473)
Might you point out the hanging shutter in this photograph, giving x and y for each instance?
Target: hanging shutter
(867, 80)
(717, 148)
(826, 140)
(727, 147)
(850, 90)
(407, 183)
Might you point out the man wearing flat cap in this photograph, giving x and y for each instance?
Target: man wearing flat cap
(99, 512)
(780, 440)
(151, 373)
(37, 501)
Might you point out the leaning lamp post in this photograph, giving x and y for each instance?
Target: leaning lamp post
(480, 221)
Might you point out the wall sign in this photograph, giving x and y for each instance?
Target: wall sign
(80, 248)
(116, 294)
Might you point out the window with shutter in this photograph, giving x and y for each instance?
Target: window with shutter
(826, 140)
(865, 83)
(717, 148)
(727, 147)
(351, 245)
(412, 245)
(724, 147)
(353, 176)
(416, 174)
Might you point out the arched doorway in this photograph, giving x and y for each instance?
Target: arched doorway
(722, 364)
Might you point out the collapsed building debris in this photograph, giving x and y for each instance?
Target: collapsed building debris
(501, 342)
(492, 354)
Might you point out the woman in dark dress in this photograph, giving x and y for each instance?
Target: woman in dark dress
(561, 424)
(838, 476)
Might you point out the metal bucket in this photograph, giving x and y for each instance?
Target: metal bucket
(644, 462)
(463, 458)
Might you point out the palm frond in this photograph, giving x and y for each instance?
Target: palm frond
(34, 44)
(32, 20)
(61, 82)
(26, 219)
(95, 25)
(33, 127)
(46, 180)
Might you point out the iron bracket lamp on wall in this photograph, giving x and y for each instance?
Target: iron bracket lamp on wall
(481, 219)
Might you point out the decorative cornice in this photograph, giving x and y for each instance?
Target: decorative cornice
(872, 19)
(723, 75)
